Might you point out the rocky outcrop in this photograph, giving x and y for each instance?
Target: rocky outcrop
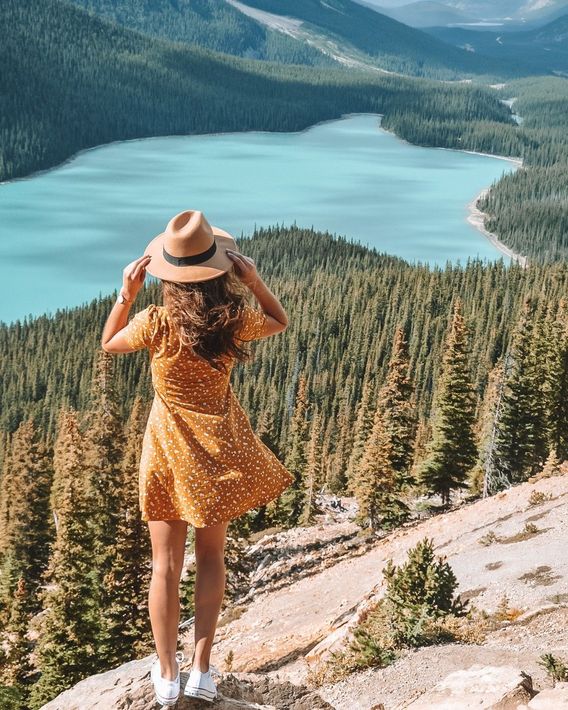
(551, 699)
(487, 687)
(308, 586)
(129, 687)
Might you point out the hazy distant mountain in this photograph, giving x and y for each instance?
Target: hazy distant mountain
(427, 13)
(546, 47)
(479, 10)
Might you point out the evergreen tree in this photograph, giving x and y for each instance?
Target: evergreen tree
(67, 649)
(343, 441)
(15, 670)
(314, 469)
(293, 498)
(452, 451)
(375, 483)
(127, 622)
(520, 447)
(25, 549)
(25, 530)
(555, 384)
(104, 449)
(399, 416)
(418, 591)
(362, 429)
(486, 478)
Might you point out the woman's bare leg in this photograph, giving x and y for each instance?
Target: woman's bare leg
(168, 547)
(209, 589)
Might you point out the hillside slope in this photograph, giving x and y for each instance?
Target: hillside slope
(212, 24)
(390, 44)
(285, 628)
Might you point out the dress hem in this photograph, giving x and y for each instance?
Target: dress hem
(226, 520)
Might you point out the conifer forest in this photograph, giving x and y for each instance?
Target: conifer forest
(392, 382)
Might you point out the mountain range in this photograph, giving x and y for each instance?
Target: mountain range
(302, 30)
(546, 47)
(501, 14)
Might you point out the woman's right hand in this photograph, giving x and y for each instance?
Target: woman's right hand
(245, 268)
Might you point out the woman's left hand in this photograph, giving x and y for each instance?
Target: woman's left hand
(133, 276)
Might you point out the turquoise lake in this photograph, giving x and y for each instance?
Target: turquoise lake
(67, 233)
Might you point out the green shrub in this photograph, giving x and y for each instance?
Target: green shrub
(419, 592)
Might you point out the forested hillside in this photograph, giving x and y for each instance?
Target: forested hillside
(409, 380)
(99, 82)
(529, 209)
(213, 24)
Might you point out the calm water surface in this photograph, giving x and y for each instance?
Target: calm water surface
(66, 234)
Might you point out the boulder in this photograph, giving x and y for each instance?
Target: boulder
(495, 687)
(551, 699)
(129, 686)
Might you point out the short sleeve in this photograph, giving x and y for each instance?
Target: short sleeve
(252, 324)
(142, 329)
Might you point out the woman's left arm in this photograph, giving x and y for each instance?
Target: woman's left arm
(133, 276)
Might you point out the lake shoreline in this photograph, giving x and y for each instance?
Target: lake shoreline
(477, 220)
(82, 151)
(475, 217)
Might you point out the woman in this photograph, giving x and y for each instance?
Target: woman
(201, 462)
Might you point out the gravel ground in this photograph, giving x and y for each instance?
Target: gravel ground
(519, 645)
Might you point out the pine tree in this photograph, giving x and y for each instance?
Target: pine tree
(520, 447)
(104, 448)
(127, 622)
(551, 466)
(452, 451)
(15, 671)
(555, 384)
(266, 429)
(25, 532)
(67, 647)
(362, 429)
(375, 483)
(486, 478)
(343, 442)
(314, 469)
(418, 591)
(398, 412)
(293, 498)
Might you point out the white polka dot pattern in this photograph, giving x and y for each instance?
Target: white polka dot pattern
(201, 461)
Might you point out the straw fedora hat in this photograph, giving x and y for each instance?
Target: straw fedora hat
(190, 249)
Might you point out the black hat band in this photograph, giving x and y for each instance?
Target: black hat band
(192, 259)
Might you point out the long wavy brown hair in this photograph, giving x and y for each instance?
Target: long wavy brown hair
(207, 315)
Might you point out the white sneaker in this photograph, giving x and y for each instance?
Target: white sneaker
(201, 685)
(167, 691)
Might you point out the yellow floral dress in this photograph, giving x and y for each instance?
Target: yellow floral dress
(201, 461)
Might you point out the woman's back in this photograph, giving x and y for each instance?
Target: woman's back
(180, 376)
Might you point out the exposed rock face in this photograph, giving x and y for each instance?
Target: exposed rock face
(552, 699)
(129, 687)
(495, 687)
